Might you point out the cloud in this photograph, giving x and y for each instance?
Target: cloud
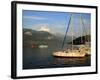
(44, 28)
(34, 17)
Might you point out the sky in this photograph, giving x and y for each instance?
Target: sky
(56, 22)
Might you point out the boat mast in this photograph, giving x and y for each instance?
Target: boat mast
(81, 30)
(84, 30)
(66, 32)
(72, 35)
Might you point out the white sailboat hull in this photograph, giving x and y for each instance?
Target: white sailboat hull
(69, 54)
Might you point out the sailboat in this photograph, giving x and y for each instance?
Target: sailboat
(82, 51)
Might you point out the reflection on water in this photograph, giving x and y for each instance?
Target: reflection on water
(42, 58)
(72, 61)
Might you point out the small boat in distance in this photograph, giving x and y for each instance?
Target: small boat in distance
(34, 46)
(43, 46)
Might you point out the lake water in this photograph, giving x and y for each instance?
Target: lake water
(42, 58)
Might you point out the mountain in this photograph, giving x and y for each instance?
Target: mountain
(30, 34)
(61, 37)
(43, 37)
(81, 40)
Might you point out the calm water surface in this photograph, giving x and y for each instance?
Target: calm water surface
(42, 58)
